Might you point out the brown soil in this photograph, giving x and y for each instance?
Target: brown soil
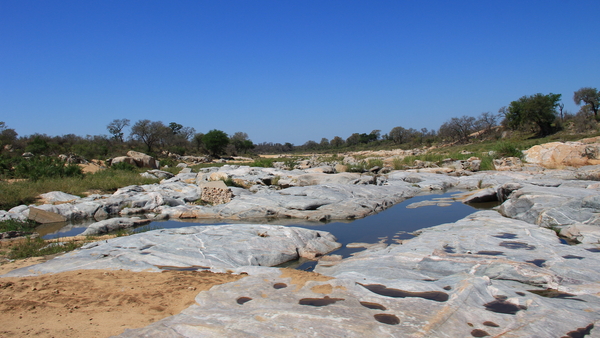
(95, 303)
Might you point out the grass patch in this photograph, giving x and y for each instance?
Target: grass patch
(16, 225)
(106, 181)
(263, 162)
(35, 247)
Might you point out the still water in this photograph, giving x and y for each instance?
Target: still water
(388, 226)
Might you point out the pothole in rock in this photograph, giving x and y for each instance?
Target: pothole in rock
(500, 305)
(382, 290)
(490, 253)
(319, 301)
(580, 332)
(479, 333)
(538, 262)
(386, 318)
(279, 285)
(572, 257)
(490, 324)
(506, 235)
(553, 293)
(373, 306)
(516, 245)
(593, 249)
(243, 300)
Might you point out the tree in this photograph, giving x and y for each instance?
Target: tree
(324, 143)
(7, 135)
(458, 128)
(538, 109)
(215, 142)
(197, 141)
(398, 135)
(353, 139)
(337, 142)
(116, 128)
(149, 132)
(590, 96)
(241, 142)
(175, 128)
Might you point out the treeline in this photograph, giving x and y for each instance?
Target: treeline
(540, 114)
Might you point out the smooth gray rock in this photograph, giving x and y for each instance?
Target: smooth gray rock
(439, 284)
(113, 224)
(217, 247)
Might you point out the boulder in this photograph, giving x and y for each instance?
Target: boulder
(142, 160)
(211, 247)
(113, 224)
(126, 159)
(558, 154)
(42, 216)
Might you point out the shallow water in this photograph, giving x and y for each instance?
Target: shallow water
(389, 226)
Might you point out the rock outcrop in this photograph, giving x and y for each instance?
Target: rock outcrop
(215, 248)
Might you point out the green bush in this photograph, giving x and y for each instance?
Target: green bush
(16, 225)
(123, 166)
(38, 247)
(263, 162)
(507, 149)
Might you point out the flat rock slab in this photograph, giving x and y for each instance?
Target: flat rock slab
(444, 283)
(217, 248)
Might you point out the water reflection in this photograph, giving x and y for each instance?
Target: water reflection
(388, 227)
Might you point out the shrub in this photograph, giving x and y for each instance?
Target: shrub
(507, 149)
(38, 247)
(123, 166)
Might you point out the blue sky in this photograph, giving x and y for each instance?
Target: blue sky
(286, 71)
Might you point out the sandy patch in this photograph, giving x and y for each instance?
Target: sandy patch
(96, 303)
(300, 278)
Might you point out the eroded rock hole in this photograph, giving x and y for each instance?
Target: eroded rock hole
(387, 319)
(373, 306)
(580, 332)
(279, 286)
(447, 288)
(243, 300)
(502, 306)
(572, 257)
(449, 249)
(479, 333)
(506, 235)
(397, 293)
(517, 245)
(490, 324)
(552, 293)
(593, 249)
(319, 301)
(538, 262)
(490, 253)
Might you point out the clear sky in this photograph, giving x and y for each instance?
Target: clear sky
(286, 70)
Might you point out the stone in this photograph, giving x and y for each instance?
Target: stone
(126, 159)
(216, 192)
(212, 247)
(113, 224)
(142, 160)
(42, 216)
(558, 154)
(58, 197)
(507, 163)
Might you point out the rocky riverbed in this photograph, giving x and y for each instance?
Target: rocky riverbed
(494, 273)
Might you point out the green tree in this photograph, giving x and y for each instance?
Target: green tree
(337, 142)
(538, 109)
(7, 135)
(149, 132)
(215, 142)
(590, 96)
(116, 128)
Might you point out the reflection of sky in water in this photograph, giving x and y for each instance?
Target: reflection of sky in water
(393, 223)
